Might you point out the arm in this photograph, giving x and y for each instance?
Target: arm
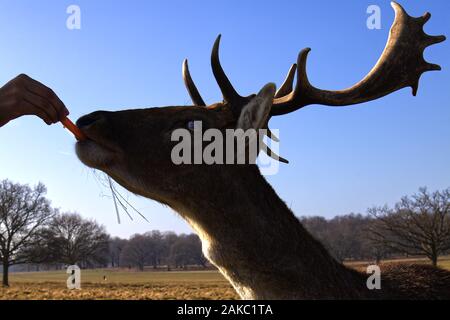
(26, 96)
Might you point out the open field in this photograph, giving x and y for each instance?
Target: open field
(137, 285)
(120, 285)
(444, 262)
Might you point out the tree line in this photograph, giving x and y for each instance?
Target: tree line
(156, 249)
(417, 225)
(34, 233)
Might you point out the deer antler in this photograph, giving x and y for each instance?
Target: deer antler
(228, 92)
(400, 66)
(288, 83)
(190, 86)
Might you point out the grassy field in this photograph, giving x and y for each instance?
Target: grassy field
(137, 285)
(444, 262)
(120, 285)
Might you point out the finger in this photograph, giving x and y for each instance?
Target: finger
(38, 112)
(41, 104)
(40, 89)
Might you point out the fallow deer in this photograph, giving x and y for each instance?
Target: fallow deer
(246, 230)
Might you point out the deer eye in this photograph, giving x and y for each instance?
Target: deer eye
(190, 125)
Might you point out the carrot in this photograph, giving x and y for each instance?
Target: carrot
(69, 125)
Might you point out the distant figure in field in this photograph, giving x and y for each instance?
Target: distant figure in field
(25, 96)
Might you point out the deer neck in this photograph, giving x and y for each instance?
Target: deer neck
(257, 243)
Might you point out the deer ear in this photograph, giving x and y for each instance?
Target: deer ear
(256, 113)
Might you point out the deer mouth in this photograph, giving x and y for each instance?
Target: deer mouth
(96, 153)
(98, 150)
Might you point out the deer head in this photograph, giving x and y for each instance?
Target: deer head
(134, 146)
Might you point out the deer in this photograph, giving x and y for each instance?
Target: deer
(246, 230)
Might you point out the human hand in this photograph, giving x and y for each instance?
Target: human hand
(26, 96)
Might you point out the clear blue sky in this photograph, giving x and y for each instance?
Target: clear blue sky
(128, 54)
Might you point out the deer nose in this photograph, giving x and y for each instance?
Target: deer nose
(90, 119)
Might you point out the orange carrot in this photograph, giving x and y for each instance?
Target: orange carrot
(69, 125)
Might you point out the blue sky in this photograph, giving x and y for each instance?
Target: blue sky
(128, 54)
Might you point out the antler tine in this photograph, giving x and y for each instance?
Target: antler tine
(288, 83)
(272, 154)
(228, 92)
(401, 65)
(272, 136)
(190, 86)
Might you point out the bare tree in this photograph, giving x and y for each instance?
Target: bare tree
(343, 236)
(170, 238)
(373, 248)
(196, 250)
(70, 239)
(153, 248)
(23, 212)
(155, 243)
(116, 246)
(137, 251)
(417, 225)
(187, 250)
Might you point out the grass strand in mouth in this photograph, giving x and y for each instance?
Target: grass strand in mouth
(116, 193)
(120, 200)
(114, 200)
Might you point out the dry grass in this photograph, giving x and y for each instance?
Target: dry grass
(126, 285)
(91, 291)
(120, 285)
